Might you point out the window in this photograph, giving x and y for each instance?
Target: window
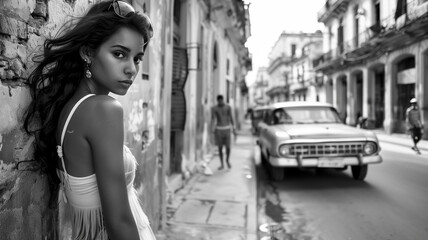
(356, 25)
(340, 36)
(293, 50)
(215, 57)
(303, 73)
(377, 12)
(401, 8)
(177, 8)
(304, 51)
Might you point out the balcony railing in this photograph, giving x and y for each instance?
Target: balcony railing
(389, 23)
(332, 7)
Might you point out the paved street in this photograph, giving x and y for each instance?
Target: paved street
(224, 205)
(218, 206)
(329, 205)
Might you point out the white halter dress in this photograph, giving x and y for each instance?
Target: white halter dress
(82, 197)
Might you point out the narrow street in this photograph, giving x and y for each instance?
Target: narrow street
(329, 205)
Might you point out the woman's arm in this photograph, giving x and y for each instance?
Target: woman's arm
(106, 140)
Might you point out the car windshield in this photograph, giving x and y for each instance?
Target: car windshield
(306, 115)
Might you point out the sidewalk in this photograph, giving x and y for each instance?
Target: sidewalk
(218, 206)
(400, 139)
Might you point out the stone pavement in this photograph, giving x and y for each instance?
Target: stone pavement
(218, 206)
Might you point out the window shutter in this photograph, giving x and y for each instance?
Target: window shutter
(178, 98)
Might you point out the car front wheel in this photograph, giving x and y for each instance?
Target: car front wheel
(359, 172)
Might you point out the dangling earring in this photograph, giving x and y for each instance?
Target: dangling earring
(88, 73)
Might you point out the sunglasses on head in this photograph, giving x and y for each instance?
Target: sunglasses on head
(122, 9)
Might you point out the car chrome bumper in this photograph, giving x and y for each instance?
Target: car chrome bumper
(313, 161)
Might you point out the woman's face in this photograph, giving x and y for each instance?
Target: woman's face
(116, 62)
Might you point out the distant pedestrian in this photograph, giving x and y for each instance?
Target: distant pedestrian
(414, 123)
(78, 126)
(222, 127)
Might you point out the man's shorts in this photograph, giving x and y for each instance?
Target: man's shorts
(416, 133)
(222, 137)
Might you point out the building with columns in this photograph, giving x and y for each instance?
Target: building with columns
(375, 59)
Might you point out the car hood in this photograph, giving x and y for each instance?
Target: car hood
(324, 131)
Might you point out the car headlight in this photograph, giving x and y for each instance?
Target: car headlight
(370, 148)
(284, 150)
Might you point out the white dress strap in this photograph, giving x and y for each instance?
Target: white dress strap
(71, 114)
(64, 129)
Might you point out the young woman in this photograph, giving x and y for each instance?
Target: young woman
(80, 133)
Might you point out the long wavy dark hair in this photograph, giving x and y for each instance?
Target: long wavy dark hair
(60, 70)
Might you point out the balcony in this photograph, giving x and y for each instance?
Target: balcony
(390, 33)
(232, 15)
(331, 9)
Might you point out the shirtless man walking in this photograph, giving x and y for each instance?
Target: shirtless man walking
(222, 125)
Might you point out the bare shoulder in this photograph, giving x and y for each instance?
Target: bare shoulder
(100, 106)
(102, 112)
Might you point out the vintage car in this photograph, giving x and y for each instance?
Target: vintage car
(312, 135)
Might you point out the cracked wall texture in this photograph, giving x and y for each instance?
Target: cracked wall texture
(24, 193)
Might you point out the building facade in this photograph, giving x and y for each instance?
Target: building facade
(259, 87)
(209, 59)
(303, 83)
(290, 68)
(376, 58)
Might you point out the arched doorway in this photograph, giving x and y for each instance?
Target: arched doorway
(377, 100)
(405, 85)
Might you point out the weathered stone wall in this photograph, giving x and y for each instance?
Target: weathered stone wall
(24, 193)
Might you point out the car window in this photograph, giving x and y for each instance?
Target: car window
(268, 117)
(304, 115)
(280, 116)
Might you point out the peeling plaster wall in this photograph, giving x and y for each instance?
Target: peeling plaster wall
(24, 192)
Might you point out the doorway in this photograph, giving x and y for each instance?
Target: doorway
(379, 98)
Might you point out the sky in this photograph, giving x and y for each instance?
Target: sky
(269, 18)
